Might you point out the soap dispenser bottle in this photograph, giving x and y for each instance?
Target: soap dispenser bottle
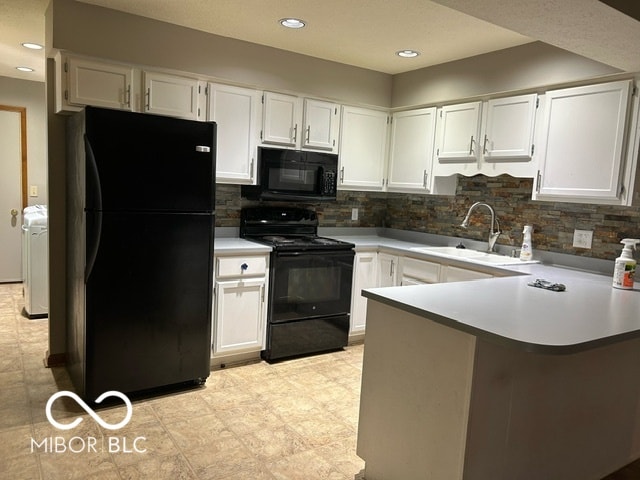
(625, 266)
(526, 251)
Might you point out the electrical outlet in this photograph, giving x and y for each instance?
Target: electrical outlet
(582, 238)
(354, 214)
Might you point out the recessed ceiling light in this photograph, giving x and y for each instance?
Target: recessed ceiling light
(24, 69)
(292, 22)
(32, 46)
(407, 53)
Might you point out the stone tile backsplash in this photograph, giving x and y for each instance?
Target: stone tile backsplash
(553, 223)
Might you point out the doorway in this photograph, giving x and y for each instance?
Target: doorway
(13, 190)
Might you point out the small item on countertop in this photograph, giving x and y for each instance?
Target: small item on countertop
(625, 267)
(526, 251)
(547, 285)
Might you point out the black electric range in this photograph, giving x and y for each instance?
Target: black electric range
(309, 300)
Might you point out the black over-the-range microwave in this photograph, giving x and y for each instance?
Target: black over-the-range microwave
(294, 175)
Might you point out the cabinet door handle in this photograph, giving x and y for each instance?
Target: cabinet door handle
(342, 175)
(295, 133)
(484, 145)
(538, 180)
(244, 267)
(148, 95)
(425, 177)
(471, 146)
(308, 133)
(251, 170)
(392, 268)
(128, 96)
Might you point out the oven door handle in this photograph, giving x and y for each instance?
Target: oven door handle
(314, 252)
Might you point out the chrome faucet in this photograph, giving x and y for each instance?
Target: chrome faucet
(493, 232)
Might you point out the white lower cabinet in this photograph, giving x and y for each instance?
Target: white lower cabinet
(455, 274)
(239, 317)
(365, 275)
(388, 268)
(381, 269)
(419, 272)
(239, 304)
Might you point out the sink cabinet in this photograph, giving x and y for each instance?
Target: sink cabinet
(381, 269)
(239, 304)
(419, 272)
(450, 273)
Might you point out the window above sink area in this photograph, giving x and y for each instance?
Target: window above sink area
(474, 256)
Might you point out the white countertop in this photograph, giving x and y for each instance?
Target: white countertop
(588, 314)
(235, 245)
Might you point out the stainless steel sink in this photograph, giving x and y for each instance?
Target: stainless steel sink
(474, 256)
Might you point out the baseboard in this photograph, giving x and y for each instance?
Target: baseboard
(54, 359)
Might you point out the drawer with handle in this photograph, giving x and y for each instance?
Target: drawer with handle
(241, 266)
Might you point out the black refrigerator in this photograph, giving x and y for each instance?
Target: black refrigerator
(140, 231)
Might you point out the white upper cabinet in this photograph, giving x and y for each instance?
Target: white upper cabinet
(492, 138)
(411, 151)
(507, 137)
(508, 129)
(236, 112)
(458, 132)
(321, 125)
(291, 122)
(363, 149)
(171, 95)
(281, 118)
(583, 143)
(98, 83)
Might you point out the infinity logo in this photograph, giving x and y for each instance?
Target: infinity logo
(89, 410)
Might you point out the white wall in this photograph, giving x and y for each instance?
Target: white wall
(31, 95)
(110, 34)
(526, 67)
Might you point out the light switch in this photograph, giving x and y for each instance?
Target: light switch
(354, 214)
(33, 191)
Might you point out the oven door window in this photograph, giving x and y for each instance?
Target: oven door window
(306, 285)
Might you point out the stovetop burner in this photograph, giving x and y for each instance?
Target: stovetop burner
(302, 242)
(287, 228)
(278, 239)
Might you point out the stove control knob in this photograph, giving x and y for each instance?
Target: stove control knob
(244, 267)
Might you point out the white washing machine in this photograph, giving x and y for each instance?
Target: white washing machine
(35, 261)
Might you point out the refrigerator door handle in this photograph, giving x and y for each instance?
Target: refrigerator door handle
(203, 148)
(94, 229)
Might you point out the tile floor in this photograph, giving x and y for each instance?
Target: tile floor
(296, 420)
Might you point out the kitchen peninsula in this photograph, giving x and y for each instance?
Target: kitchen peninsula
(500, 380)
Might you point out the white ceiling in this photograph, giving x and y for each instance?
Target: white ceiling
(364, 33)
